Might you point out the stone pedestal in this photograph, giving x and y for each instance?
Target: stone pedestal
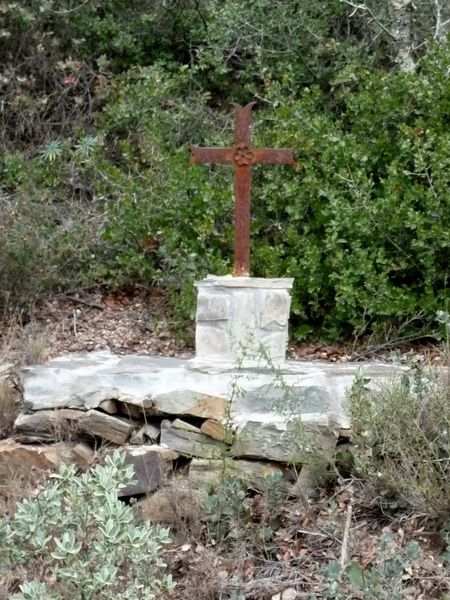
(237, 316)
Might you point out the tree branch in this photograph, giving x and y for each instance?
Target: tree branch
(370, 12)
(439, 28)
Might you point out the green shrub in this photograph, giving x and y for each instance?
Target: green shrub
(363, 225)
(239, 509)
(402, 440)
(228, 509)
(45, 248)
(77, 541)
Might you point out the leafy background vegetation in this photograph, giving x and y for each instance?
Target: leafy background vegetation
(100, 101)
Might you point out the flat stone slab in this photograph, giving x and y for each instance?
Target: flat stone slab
(229, 281)
(316, 390)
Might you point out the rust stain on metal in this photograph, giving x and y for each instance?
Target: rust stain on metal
(242, 156)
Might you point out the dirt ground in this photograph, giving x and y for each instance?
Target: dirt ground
(137, 321)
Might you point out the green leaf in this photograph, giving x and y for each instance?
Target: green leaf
(355, 575)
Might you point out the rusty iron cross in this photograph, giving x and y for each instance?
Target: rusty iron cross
(242, 156)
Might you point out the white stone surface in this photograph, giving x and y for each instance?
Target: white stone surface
(236, 316)
(249, 282)
(317, 389)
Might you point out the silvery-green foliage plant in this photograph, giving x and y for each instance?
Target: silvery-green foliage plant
(77, 541)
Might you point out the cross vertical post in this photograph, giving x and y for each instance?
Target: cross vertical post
(242, 156)
(242, 187)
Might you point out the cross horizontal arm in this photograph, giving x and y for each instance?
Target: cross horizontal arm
(211, 155)
(273, 156)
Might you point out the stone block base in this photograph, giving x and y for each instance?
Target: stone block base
(238, 316)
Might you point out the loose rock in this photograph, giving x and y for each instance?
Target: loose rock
(152, 465)
(84, 455)
(286, 442)
(146, 433)
(113, 429)
(19, 460)
(47, 426)
(189, 440)
(253, 473)
(109, 406)
(177, 501)
(215, 430)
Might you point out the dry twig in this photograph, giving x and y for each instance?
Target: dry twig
(348, 519)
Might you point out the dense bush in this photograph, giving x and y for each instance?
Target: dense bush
(362, 225)
(77, 541)
(44, 248)
(364, 229)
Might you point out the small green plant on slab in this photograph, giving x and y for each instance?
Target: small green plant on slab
(77, 541)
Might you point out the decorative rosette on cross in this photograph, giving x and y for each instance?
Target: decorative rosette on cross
(242, 156)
